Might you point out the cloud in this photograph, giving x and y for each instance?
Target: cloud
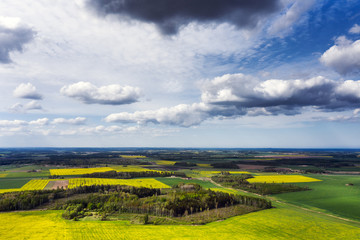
(292, 15)
(32, 105)
(355, 29)
(71, 121)
(343, 57)
(27, 90)
(40, 122)
(182, 115)
(12, 123)
(170, 16)
(235, 95)
(112, 94)
(13, 37)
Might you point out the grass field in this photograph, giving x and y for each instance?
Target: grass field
(280, 223)
(281, 179)
(331, 194)
(6, 183)
(145, 182)
(174, 181)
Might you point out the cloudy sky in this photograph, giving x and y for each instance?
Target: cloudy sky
(180, 73)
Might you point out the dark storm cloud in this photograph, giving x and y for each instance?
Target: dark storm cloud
(170, 15)
(13, 39)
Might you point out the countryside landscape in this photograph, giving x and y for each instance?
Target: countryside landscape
(179, 193)
(180, 119)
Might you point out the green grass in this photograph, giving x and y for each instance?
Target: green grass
(331, 194)
(174, 181)
(6, 183)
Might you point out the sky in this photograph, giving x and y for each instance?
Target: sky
(180, 73)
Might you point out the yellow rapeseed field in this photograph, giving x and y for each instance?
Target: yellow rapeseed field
(281, 179)
(2, 175)
(145, 182)
(34, 184)
(131, 168)
(78, 171)
(207, 165)
(40, 184)
(165, 162)
(132, 156)
(277, 223)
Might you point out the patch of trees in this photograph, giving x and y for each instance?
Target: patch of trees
(230, 165)
(185, 164)
(128, 175)
(240, 182)
(27, 200)
(178, 202)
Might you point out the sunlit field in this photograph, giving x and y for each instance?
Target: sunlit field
(145, 182)
(78, 171)
(40, 184)
(130, 168)
(281, 179)
(165, 162)
(279, 223)
(2, 175)
(35, 184)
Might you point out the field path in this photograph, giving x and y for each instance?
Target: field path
(282, 202)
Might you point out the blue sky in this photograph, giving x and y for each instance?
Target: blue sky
(110, 73)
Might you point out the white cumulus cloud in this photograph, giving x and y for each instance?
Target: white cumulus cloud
(343, 57)
(27, 90)
(114, 94)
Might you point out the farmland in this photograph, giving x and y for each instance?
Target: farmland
(310, 214)
(279, 223)
(148, 182)
(332, 194)
(78, 171)
(282, 179)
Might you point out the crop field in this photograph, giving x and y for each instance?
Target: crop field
(282, 179)
(279, 223)
(206, 165)
(6, 183)
(132, 156)
(35, 184)
(78, 171)
(2, 175)
(145, 182)
(131, 168)
(40, 184)
(333, 194)
(174, 181)
(165, 162)
(212, 173)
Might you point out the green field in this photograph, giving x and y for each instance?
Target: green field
(331, 194)
(6, 183)
(280, 223)
(174, 181)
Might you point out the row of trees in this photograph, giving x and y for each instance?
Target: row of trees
(127, 175)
